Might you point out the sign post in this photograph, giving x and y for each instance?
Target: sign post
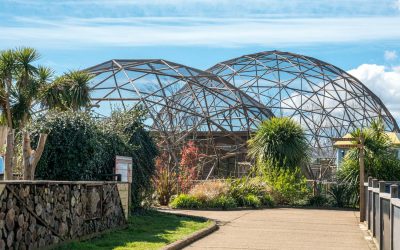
(123, 167)
(360, 145)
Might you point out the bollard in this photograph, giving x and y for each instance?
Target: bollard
(394, 191)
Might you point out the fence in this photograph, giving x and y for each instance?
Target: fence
(382, 212)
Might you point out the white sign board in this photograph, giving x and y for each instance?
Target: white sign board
(123, 166)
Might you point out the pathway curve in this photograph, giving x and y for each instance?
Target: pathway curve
(283, 228)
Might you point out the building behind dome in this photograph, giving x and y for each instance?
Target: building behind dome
(221, 107)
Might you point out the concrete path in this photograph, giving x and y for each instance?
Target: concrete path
(283, 228)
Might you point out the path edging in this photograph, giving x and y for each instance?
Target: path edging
(194, 236)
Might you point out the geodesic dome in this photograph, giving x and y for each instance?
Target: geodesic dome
(221, 107)
(182, 103)
(327, 101)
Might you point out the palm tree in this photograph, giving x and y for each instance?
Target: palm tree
(70, 91)
(380, 159)
(279, 142)
(23, 86)
(7, 66)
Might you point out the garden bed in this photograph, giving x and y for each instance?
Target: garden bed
(148, 230)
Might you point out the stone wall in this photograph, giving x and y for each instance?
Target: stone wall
(35, 214)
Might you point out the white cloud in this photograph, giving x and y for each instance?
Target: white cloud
(397, 4)
(390, 55)
(226, 32)
(384, 82)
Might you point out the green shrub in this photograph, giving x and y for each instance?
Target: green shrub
(185, 201)
(223, 201)
(343, 195)
(74, 149)
(289, 187)
(318, 201)
(239, 189)
(141, 147)
(81, 148)
(251, 200)
(267, 200)
(380, 161)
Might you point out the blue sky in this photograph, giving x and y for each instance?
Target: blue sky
(361, 36)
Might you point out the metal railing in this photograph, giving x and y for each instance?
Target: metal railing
(382, 212)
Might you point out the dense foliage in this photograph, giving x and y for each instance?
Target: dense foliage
(279, 149)
(225, 195)
(249, 191)
(74, 149)
(288, 186)
(380, 161)
(25, 86)
(81, 148)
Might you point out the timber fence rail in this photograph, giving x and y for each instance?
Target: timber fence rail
(382, 212)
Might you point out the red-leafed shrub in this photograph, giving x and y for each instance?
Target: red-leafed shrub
(189, 166)
(171, 179)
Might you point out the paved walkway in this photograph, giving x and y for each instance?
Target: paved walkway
(283, 228)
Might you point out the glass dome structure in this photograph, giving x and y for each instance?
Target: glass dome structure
(327, 101)
(181, 103)
(219, 108)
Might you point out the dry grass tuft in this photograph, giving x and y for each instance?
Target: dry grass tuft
(209, 190)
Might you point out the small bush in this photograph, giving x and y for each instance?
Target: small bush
(288, 186)
(164, 180)
(251, 200)
(209, 190)
(186, 201)
(342, 195)
(224, 202)
(318, 201)
(267, 200)
(239, 189)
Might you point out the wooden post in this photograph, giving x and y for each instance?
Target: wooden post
(375, 183)
(360, 145)
(382, 186)
(362, 178)
(370, 181)
(315, 188)
(394, 191)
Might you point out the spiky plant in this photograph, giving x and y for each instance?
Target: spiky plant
(279, 142)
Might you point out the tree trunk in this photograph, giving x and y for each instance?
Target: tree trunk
(8, 159)
(31, 157)
(8, 106)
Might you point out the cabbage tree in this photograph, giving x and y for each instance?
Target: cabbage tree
(279, 142)
(23, 88)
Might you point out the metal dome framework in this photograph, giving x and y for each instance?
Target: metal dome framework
(219, 108)
(327, 101)
(182, 103)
